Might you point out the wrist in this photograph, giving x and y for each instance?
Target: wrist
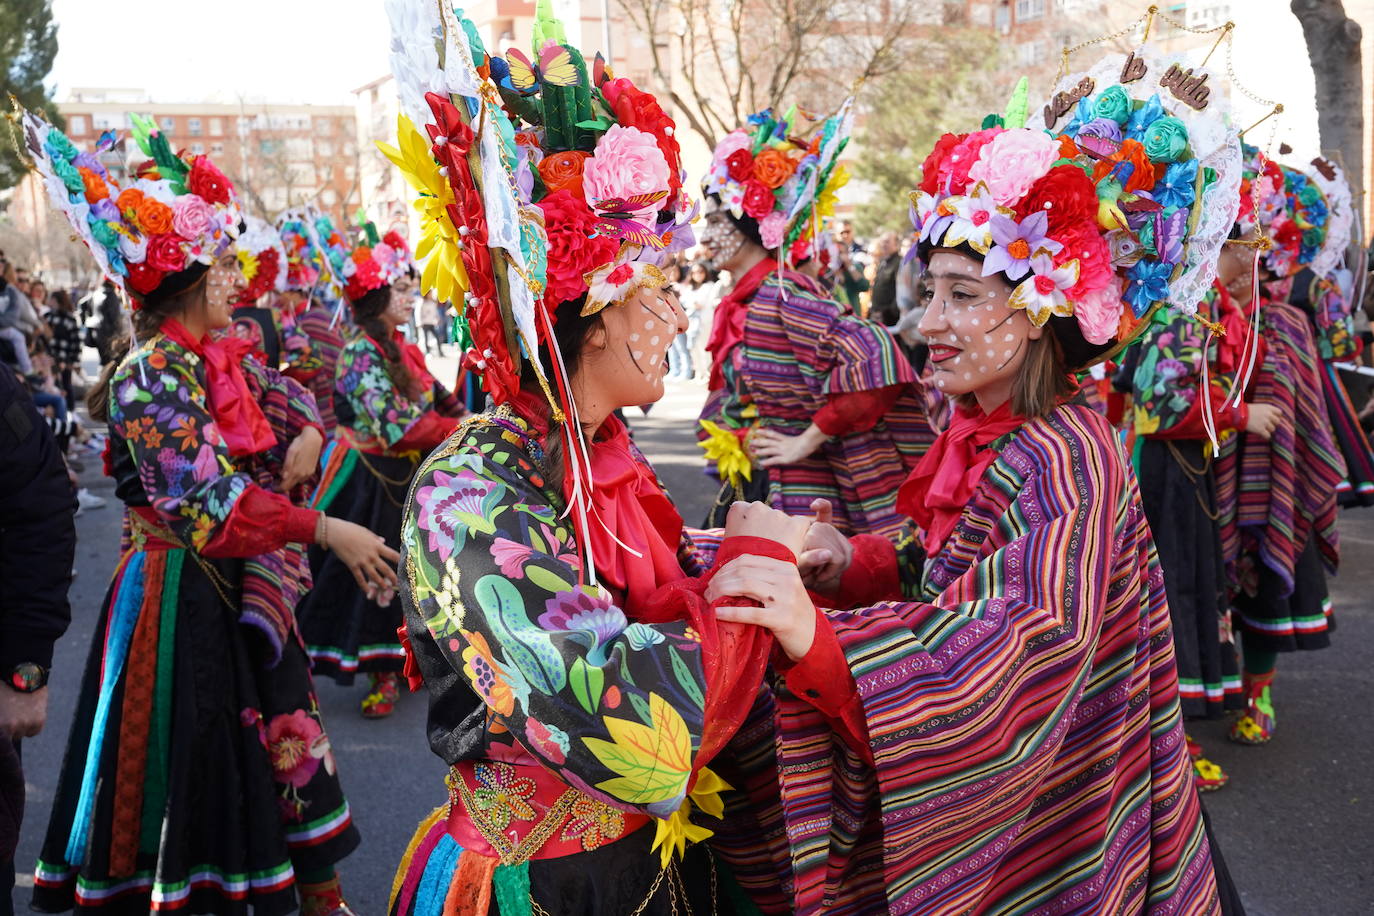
(26, 677)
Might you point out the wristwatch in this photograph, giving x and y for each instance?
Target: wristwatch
(27, 677)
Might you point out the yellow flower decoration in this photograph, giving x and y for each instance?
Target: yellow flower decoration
(724, 449)
(825, 201)
(248, 265)
(674, 832)
(440, 245)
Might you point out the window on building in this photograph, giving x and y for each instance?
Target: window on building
(1002, 17)
(216, 127)
(268, 147)
(330, 197)
(108, 122)
(193, 127)
(1029, 9)
(216, 149)
(197, 149)
(324, 127)
(245, 124)
(1030, 53)
(169, 125)
(324, 148)
(76, 124)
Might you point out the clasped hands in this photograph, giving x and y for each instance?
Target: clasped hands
(823, 554)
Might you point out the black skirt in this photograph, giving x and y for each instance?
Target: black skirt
(1300, 621)
(344, 631)
(198, 776)
(1179, 495)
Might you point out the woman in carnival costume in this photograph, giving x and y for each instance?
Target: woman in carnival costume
(198, 776)
(391, 412)
(1016, 692)
(821, 399)
(1279, 506)
(305, 298)
(579, 684)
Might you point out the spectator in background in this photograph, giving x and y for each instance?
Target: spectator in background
(698, 295)
(37, 545)
(65, 343)
(430, 320)
(888, 260)
(111, 325)
(910, 311)
(13, 304)
(850, 282)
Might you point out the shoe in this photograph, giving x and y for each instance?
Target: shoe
(380, 701)
(85, 499)
(1206, 775)
(1258, 723)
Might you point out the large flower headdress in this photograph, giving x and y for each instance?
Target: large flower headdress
(783, 175)
(171, 212)
(538, 181)
(1103, 220)
(262, 259)
(1287, 207)
(304, 259)
(375, 262)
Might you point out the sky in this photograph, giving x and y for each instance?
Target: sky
(308, 51)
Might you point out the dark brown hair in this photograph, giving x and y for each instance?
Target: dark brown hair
(367, 312)
(570, 330)
(155, 308)
(1043, 382)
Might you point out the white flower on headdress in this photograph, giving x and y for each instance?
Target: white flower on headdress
(1042, 294)
(972, 221)
(614, 283)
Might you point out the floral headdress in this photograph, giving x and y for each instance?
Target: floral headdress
(1287, 207)
(1329, 178)
(1122, 209)
(375, 262)
(304, 261)
(262, 260)
(784, 179)
(540, 182)
(175, 212)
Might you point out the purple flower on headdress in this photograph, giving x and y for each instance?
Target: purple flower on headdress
(106, 210)
(1105, 128)
(1014, 244)
(1146, 284)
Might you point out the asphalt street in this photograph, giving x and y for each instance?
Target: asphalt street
(1296, 824)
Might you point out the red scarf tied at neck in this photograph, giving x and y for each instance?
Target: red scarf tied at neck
(237, 415)
(942, 483)
(727, 328)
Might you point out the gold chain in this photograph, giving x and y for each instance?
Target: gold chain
(221, 584)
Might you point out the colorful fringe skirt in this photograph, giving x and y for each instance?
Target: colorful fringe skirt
(198, 776)
(345, 632)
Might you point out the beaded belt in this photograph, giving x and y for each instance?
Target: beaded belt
(515, 813)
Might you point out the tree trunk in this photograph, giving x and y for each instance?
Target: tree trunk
(1333, 46)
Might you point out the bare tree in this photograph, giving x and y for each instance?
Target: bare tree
(1333, 45)
(717, 61)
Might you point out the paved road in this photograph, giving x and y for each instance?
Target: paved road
(1295, 824)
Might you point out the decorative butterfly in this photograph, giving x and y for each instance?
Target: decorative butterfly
(619, 218)
(1169, 234)
(1097, 147)
(555, 68)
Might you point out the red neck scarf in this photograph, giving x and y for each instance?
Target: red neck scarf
(628, 510)
(943, 481)
(727, 329)
(240, 420)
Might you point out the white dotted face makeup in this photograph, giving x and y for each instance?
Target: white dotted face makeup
(978, 343)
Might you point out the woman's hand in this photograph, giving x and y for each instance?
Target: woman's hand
(1263, 420)
(772, 447)
(777, 586)
(826, 553)
(762, 521)
(302, 458)
(366, 555)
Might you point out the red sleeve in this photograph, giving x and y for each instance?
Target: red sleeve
(872, 575)
(301, 375)
(260, 522)
(857, 411)
(823, 679)
(426, 433)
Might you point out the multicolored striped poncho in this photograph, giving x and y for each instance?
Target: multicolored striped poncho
(1022, 710)
(799, 348)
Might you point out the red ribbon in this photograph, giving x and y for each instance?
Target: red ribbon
(240, 420)
(727, 330)
(941, 484)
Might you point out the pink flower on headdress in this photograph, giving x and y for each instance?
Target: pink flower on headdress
(954, 169)
(1099, 313)
(192, 217)
(772, 228)
(627, 163)
(1012, 162)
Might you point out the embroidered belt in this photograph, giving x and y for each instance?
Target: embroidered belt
(515, 813)
(149, 531)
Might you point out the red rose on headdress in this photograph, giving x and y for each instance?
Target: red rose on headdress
(394, 240)
(208, 182)
(1070, 194)
(366, 278)
(573, 251)
(930, 169)
(740, 165)
(143, 279)
(635, 108)
(164, 253)
(800, 250)
(1084, 242)
(952, 172)
(758, 199)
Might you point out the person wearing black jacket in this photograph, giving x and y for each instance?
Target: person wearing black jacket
(37, 544)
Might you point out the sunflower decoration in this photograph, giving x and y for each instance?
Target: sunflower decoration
(441, 243)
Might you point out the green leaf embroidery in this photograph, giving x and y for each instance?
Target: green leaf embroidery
(547, 580)
(586, 682)
(686, 678)
(526, 647)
